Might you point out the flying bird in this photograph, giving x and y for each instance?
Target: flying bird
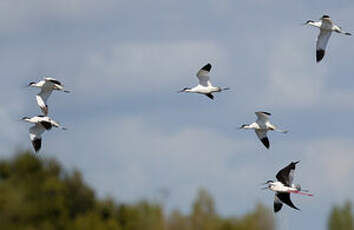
(284, 186)
(262, 126)
(41, 124)
(204, 87)
(47, 85)
(326, 26)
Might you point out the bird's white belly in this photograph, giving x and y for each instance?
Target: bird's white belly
(279, 188)
(203, 89)
(327, 26)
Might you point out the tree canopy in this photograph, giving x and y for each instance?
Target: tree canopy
(41, 195)
(341, 217)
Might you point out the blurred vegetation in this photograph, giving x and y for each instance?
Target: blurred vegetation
(341, 217)
(40, 195)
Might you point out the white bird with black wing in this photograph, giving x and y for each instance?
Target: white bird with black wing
(326, 26)
(204, 87)
(47, 85)
(262, 126)
(41, 124)
(284, 186)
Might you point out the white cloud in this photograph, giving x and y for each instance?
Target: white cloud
(329, 167)
(148, 66)
(294, 80)
(22, 15)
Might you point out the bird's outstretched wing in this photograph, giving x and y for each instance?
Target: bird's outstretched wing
(321, 44)
(286, 174)
(53, 80)
(277, 204)
(262, 116)
(262, 135)
(211, 96)
(285, 198)
(203, 75)
(42, 98)
(35, 133)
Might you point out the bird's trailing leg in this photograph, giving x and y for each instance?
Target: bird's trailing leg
(301, 193)
(281, 131)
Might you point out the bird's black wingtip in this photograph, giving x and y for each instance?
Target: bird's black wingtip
(211, 96)
(265, 142)
(37, 144)
(277, 206)
(207, 67)
(319, 55)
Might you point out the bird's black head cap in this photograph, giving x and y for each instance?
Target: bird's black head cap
(267, 113)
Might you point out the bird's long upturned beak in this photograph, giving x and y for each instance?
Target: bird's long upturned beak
(296, 162)
(180, 91)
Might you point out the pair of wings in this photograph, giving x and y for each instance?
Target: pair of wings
(286, 177)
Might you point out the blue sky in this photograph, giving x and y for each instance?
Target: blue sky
(132, 135)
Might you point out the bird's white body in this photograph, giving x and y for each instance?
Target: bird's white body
(41, 124)
(261, 126)
(40, 118)
(47, 85)
(326, 26)
(280, 187)
(204, 87)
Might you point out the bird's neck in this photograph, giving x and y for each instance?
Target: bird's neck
(315, 24)
(251, 126)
